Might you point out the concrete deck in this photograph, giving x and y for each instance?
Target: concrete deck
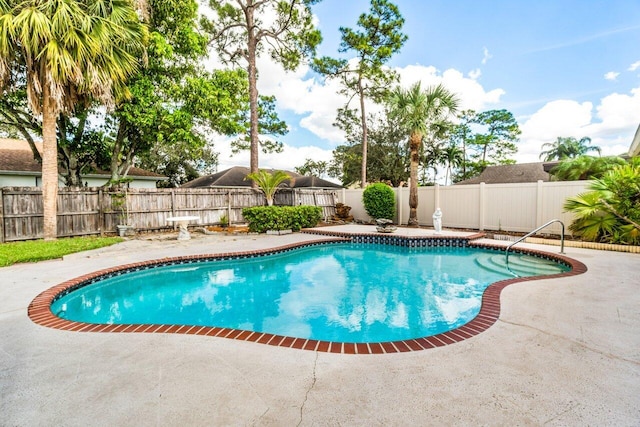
(564, 352)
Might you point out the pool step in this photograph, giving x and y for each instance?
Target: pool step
(519, 265)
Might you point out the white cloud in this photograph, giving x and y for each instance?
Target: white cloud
(634, 66)
(317, 99)
(288, 159)
(563, 118)
(486, 56)
(471, 93)
(618, 113)
(304, 94)
(611, 75)
(475, 74)
(294, 156)
(610, 123)
(611, 127)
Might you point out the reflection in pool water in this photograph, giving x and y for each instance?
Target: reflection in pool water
(335, 292)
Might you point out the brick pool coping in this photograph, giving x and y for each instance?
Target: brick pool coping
(39, 310)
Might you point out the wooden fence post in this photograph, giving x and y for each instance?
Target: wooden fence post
(173, 203)
(101, 219)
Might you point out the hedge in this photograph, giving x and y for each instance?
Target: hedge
(263, 218)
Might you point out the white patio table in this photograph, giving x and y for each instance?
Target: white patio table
(183, 222)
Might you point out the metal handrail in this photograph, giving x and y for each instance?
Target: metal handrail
(529, 234)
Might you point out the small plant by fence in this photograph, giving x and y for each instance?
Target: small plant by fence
(96, 211)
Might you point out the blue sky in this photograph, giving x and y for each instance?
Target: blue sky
(563, 68)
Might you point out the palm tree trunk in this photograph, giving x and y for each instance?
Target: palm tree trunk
(414, 148)
(49, 168)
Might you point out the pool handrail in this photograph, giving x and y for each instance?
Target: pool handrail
(529, 234)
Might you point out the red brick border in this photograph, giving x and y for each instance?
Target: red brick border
(39, 310)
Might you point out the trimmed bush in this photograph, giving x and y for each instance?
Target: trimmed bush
(379, 201)
(263, 218)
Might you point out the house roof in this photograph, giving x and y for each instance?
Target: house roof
(16, 157)
(634, 148)
(506, 174)
(236, 177)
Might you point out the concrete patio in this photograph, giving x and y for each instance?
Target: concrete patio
(564, 352)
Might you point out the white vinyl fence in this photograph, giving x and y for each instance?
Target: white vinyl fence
(499, 207)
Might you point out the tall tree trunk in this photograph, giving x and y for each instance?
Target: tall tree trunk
(253, 88)
(70, 168)
(77, 163)
(414, 148)
(363, 117)
(68, 162)
(484, 151)
(49, 167)
(32, 144)
(17, 119)
(464, 156)
(116, 154)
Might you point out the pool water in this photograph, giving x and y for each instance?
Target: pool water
(342, 292)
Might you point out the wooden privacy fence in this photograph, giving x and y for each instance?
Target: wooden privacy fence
(87, 211)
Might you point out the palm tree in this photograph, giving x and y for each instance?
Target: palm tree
(611, 210)
(74, 51)
(454, 157)
(584, 167)
(268, 182)
(419, 111)
(567, 148)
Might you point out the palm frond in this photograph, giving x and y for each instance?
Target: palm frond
(268, 182)
(584, 205)
(595, 227)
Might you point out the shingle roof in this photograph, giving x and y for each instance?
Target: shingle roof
(16, 156)
(235, 177)
(634, 148)
(506, 174)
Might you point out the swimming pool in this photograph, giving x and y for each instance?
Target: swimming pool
(337, 293)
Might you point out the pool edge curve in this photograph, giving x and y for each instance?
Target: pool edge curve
(39, 310)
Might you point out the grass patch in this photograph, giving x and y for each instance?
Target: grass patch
(39, 250)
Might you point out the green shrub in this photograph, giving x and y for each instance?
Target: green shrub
(379, 201)
(610, 212)
(263, 218)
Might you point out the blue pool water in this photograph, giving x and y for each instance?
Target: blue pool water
(335, 292)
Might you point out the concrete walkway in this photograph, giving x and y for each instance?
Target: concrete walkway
(565, 352)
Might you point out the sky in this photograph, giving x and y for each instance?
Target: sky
(564, 68)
